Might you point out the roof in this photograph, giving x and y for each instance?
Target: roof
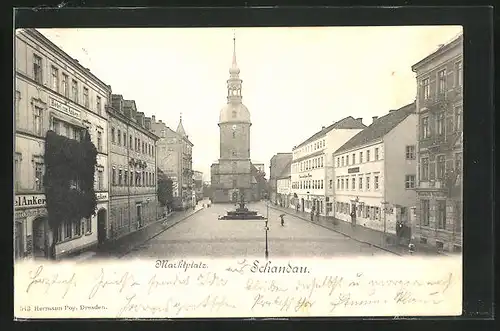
(234, 112)
(287, 171)
(440, 50)
(379, 128)
(344, 124)
(180, 128)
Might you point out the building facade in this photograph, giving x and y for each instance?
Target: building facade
(232, 176)
(375, 172)
(198, 184)
(277, 165)
(312, 166)
(440, 147)
(283, 187)
(175, 159)
(132, 169)
(54, 92)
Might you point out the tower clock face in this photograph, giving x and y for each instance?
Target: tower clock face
(234, 127)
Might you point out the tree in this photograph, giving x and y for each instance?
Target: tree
(165, 189)
(69, 180)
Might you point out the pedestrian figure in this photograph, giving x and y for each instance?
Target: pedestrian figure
(312, 214)
(282, 219)
(411, 248)
(353, 218)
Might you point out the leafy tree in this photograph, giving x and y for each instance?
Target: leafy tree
(165, 189)
(69, 180)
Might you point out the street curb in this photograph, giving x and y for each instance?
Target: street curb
(342, 233)
(168, 226)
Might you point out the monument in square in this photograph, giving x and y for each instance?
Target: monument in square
(234, 176)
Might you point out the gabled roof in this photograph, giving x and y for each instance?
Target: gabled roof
(345, 124)
(379, 128)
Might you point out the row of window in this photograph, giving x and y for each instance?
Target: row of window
(351, 159)
(440, 213)
(309, 184)
(74, 132)
(122, 178)
(440, 124)
(343, 183)
(139, 146)
(425, 83)
(310, 148)
(39, 169)
(368, 212)
(62, 86)
(70, 230)
(314, 163)
(439, 168)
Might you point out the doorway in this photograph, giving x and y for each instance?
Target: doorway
(101, 226)
(302, 204)
(139, 215)
(18, 240)
(40, 247)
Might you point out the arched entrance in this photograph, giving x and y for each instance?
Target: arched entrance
(40, 245)
(101, 225)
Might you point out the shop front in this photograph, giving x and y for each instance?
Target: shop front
(102, 217)
(30, 227)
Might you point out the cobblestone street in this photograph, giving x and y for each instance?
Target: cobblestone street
(202, 234)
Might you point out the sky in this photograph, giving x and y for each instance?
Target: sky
(295, 80)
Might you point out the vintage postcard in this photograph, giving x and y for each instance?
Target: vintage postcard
(238, 172)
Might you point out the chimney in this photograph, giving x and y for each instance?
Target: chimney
(160, 121)
(374, 118)
(360, 120)
(153, 119)
(323, 127)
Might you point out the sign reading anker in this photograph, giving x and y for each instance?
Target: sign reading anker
(63, 108)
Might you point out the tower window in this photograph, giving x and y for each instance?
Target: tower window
(234, 134)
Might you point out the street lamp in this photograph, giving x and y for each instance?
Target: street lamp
(267, 229)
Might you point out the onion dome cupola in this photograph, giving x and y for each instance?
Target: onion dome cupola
(234, 110)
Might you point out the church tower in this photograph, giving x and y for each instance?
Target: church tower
(234, 175)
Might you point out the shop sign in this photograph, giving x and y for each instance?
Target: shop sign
(29, 201)
(305, 176)
(64, 108)
(101, 196)
(353, 170)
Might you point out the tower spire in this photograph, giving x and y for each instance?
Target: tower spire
(234, 49)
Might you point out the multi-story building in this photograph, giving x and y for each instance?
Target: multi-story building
(439, 147)
(54, 92)
(283, 186)
(234, 174)
(375, 172)
(198, 184)
(277, 165)
(312, 165)
(175, 159)
(132, 173)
